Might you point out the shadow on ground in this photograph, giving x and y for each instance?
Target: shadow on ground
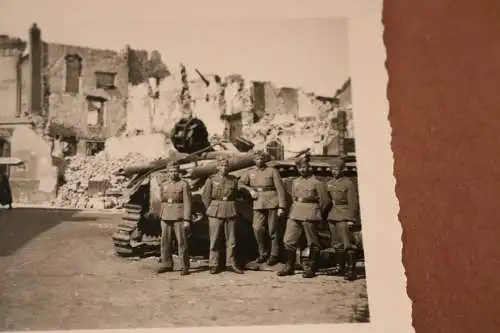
(20, 225)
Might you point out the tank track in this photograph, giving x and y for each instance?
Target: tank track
(130, 239)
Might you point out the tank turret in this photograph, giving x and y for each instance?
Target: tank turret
(189, 135)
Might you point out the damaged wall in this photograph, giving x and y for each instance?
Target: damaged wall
(11, 50)
(37, 182)
(71, 106)
(259, 111)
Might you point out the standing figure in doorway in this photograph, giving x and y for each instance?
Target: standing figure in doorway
(266, 188)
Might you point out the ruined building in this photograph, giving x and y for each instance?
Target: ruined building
(94, 98)
(76, 93)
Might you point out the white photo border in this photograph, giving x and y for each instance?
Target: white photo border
(390, 307)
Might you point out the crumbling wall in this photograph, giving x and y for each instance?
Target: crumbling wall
(260, 110)
(11, 50)
(208, 102)
(151, 146)
(70, 108)
(37, 182)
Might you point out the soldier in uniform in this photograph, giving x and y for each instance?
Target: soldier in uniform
(344, 193)
(267, 190)
(310, 203)
(218, 195)
(175, 214)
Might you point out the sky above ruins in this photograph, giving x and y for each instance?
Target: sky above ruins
(311, 53)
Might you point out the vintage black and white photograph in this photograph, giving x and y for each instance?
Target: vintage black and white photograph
(168, 171)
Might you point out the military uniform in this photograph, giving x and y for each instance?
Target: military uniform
(218, 196)
(310, 201)
(268, 186)
(344, 193)
(175, 214)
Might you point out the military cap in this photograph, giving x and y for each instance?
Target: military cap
(339, 166)
(222, 160)
(259, 153)
(262, 154)
(171, 166)
(303, 160)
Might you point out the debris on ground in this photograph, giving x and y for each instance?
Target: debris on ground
(90, 181)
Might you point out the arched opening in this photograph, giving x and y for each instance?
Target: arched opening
(276, 150)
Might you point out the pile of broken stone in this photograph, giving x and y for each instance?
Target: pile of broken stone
(98, 170)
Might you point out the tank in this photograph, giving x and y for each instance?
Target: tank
(139, 231)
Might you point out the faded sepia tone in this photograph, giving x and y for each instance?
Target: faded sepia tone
(95, 123)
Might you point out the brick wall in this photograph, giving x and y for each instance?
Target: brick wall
(25, 87)
(8, 84)
(10, 52)
(71, 108)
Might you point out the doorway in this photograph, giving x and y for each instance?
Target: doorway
(276, 150)
(5, 152)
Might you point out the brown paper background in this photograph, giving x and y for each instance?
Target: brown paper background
(443, 58)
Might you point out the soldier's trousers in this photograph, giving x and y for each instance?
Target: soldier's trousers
(294, 230)
(341, 236)
(266, 220)
(220, 230)
(168, 230)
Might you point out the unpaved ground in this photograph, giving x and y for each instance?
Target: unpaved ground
(60, 272)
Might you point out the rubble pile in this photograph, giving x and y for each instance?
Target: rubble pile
(300, 134)
(90, 181)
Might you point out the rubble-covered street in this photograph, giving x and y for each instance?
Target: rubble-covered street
(60, 272)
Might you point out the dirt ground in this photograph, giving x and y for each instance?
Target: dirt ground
(60, 272)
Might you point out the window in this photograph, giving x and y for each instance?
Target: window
(73, 73)
(276, 150)
(95, 111)
(94, 147)
(105, 80)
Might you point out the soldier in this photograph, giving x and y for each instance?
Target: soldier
(175, 214)
(310, 202)
(267, 190)
(218, 196)
(344, 192)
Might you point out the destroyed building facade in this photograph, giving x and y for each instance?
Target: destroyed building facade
(90, 97)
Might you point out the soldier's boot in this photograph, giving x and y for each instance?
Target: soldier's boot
(184, 271)
(164, 269)
(235, 269)
(350, 271)
(312, 267)
(289, 268)
(262, 259)
(273, 260)
(215, 270)
(340, 260)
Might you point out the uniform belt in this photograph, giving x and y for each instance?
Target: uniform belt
(265, 189)
(171, 201)
(341, 202)
(306, 200)
(223, 199)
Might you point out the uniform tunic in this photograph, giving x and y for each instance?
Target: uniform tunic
(344, 193)
(175, 209)
(218, 195)
(310, 201)
(267, 183)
